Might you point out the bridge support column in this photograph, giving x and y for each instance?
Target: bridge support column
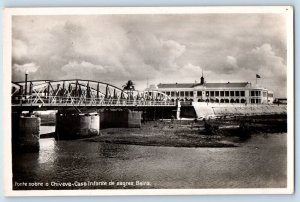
(76, 126)
(25, 133)
(134, 119)
(178, 110)
(120, 119)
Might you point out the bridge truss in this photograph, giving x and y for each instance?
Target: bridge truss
(78, 93)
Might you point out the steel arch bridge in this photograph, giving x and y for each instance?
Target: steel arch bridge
(78, 93)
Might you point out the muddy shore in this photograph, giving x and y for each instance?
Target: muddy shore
(222, 132)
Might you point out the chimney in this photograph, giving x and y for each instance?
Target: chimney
(202, 79)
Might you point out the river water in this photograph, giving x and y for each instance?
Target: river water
(80, 164)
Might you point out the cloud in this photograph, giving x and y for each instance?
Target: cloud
(231, 61)
(19, 70)
(82, 67)
(28, 67)
(263, 60)
(20, 49)
(160, 48)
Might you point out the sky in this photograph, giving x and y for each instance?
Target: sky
(152, 49)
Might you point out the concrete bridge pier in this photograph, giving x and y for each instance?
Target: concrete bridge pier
(120, 118)
(76, 126)
(25, 133)
(134, 119)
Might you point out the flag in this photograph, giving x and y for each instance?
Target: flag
(257, 76)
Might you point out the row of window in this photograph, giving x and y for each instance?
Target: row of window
(223, 100)
(258, 101)
(255, 93)
(224, 93)
(216, 100)
(207, 93)
(180, 93)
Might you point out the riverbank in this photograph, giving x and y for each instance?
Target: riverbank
(163, 133)
(225, 132)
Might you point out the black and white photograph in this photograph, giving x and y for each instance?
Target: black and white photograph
(186, 100)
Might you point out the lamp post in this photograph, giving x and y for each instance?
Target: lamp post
(26, 75)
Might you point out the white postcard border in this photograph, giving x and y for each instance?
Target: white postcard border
(7, 41)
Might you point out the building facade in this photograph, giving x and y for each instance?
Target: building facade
(243, 92)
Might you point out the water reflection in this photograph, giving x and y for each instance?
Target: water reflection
(47, 154)
(260, 162)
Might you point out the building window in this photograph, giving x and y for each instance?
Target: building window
(217, 93)
(243, 93)
(199, 93)
(252, 100)
(181, 93)
(231, 93)
(226, 93)
(255, 93)
(237, 93)
(186, 93)
(168, 92)
(222, 93)
(172, 93)
(206, 93)
(212, 93)
(232, 101)
(191, 93)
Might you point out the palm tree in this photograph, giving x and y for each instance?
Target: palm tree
(129, 86)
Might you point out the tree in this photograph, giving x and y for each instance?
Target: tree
(128, 86)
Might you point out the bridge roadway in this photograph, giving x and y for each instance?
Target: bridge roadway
(63, 104)
(52, 95)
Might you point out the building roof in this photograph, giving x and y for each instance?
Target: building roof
(226, 85)
(176, 85)
(208, 85)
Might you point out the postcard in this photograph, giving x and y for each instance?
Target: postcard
(149, 101)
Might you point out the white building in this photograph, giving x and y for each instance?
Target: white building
(243, 92)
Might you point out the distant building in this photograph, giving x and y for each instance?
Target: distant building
(230, 92)
(280, 101)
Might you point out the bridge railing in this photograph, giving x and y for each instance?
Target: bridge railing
(33, 100)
